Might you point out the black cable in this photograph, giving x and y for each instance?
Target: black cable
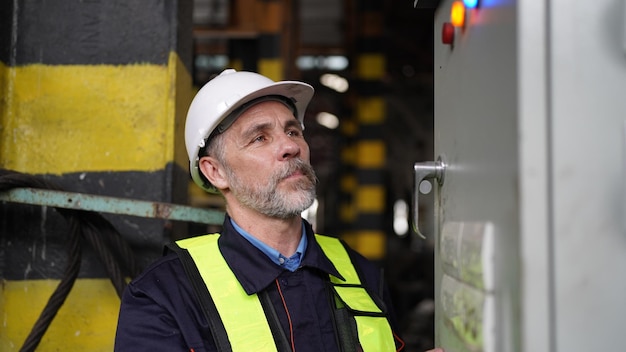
(113, 251)
(62, 291)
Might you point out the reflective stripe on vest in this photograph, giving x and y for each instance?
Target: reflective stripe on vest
(243, 316)
(373, 328)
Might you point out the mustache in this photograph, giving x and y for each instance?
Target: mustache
(297, 165)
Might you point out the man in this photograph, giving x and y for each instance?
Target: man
(267, 282)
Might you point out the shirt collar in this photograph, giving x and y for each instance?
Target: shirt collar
(255, 270)
(290, 263)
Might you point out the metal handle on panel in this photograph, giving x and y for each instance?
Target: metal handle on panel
(423, 171)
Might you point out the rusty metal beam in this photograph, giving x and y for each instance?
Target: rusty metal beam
(113, 205)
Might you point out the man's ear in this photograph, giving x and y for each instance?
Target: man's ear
(213, 170)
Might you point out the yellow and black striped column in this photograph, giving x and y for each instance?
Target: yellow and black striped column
(243, 49)
(242, 54)
(94, 95)
(348, 182)
(261, 53)
(368, 231)
(270, 19)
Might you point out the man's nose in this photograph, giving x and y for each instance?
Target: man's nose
(288, 147)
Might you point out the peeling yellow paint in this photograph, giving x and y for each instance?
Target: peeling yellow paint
(62, 119)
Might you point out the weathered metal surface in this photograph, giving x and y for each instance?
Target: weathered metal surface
(113, 205)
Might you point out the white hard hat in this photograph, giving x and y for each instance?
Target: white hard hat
(218, 98)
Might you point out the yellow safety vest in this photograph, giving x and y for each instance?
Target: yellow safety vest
(243, 317)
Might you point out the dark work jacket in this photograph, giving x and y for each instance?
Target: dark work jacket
(159, 311)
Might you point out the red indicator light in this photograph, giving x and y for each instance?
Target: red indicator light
(447, 33)
(457, 14)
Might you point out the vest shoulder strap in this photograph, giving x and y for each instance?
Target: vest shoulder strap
(204, 299)
(242, 315)
(373, 328)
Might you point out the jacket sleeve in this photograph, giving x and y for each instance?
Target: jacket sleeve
(158, 313)
(144, 325)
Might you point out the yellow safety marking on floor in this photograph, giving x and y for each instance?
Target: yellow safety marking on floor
(86, 321)
(62, 119)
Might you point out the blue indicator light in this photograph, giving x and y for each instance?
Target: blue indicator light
(470, 4)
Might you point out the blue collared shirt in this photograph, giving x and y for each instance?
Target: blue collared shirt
(290, 263)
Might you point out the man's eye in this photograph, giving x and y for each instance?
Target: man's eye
(259, 139)
(294, 133)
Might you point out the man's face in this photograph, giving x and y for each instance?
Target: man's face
(267, 161)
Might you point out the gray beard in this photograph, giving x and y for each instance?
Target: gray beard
(267, 199)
